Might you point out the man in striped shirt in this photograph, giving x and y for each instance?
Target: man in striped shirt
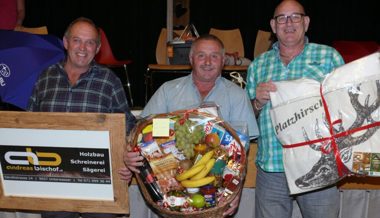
(292, 57)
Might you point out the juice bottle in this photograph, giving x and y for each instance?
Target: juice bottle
(209, 192)
(146, 175)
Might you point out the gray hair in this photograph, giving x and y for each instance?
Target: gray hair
(85, 20)
(207, 37)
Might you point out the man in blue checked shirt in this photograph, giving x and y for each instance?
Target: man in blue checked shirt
(292, 57)
(78, 84)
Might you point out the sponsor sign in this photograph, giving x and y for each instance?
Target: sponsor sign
(67, 159)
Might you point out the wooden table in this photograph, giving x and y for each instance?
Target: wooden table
(353, 182)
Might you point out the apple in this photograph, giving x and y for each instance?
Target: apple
(147, 137)
(198, 201)
(212, 140)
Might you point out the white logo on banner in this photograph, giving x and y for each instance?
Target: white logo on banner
(4, 72)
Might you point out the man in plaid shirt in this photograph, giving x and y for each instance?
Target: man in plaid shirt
(292, 57)
(78, 84)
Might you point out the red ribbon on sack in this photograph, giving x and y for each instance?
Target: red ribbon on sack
(342, 170)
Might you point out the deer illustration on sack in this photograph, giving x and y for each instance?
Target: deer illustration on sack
(325, 172)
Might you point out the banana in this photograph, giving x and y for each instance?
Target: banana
(205, 170)
(206, 157)
(197, 183)
(190, 172)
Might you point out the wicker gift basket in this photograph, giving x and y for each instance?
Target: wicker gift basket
(233, 154)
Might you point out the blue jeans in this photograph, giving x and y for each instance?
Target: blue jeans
(272, 199)
(76, 215)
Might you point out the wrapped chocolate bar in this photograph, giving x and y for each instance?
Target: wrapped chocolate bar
(331, 129)
(198, 162)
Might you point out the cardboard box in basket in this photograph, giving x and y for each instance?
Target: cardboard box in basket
(331, 130)
(189, 150)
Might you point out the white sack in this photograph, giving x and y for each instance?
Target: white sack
(298, 116)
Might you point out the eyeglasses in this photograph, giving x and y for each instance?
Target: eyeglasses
(295, 18)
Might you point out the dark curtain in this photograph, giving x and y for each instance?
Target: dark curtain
(247, 15)
(330, 20)
(133, 26)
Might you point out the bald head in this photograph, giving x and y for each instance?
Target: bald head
(287, 5)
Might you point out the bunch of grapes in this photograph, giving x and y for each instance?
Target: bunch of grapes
(187, 135)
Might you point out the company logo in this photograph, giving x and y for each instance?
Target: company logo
(32, 158)
(4, 70)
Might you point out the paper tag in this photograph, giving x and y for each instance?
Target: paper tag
(161, 127)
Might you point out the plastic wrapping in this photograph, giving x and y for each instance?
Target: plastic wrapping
(177, 146)
(329, 130)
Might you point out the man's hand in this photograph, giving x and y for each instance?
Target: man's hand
(132, 160)
(125, 174)
(262, 92)
(233, 205)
